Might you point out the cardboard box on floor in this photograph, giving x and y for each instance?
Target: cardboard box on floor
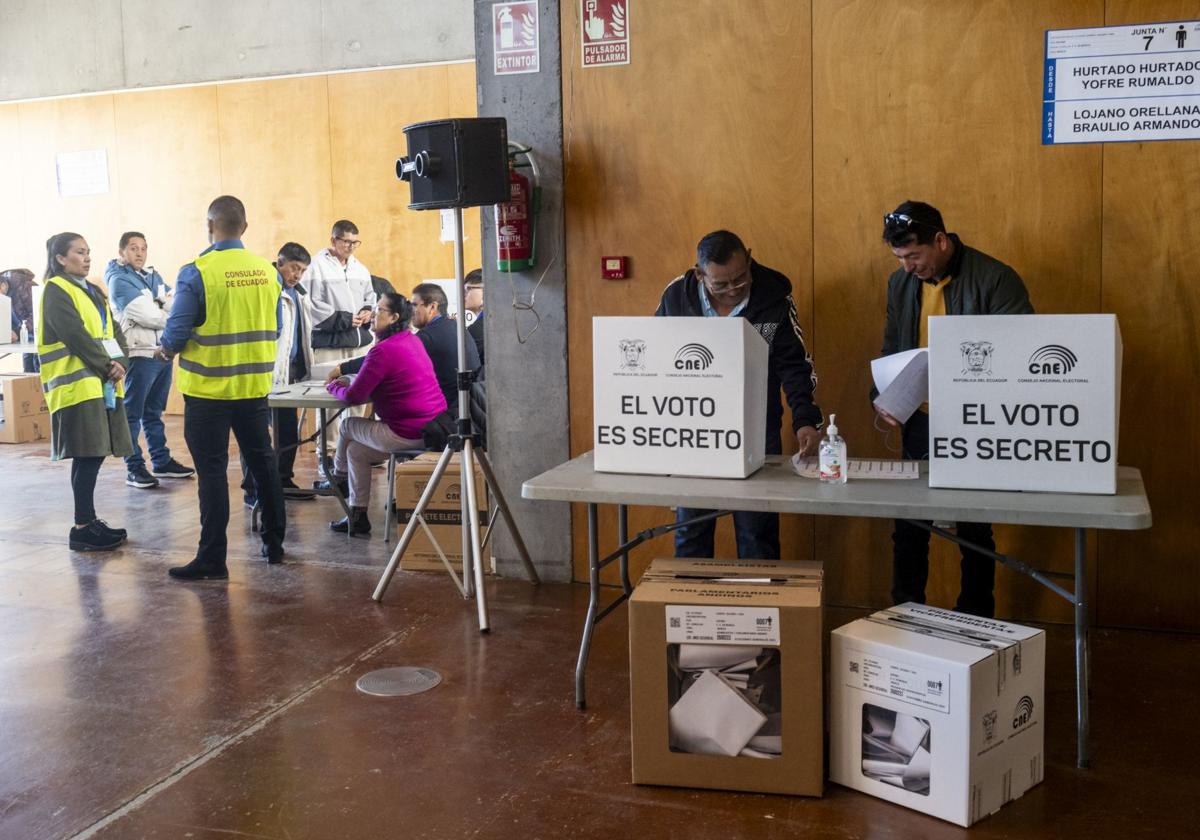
(726, 676)
(25, 416)
(938, 711)
(443, 514)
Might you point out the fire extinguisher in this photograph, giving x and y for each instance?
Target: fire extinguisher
(516, 220)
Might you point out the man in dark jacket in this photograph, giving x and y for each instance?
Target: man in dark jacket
(726, 282)
(939, 275)
(439, 335)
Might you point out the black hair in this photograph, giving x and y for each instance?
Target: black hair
(343, 226)
(294, 252)
(400, 306)
(228, 214)
(127, 235)
(432, 293)
(58, 246)
(474, 277)
(717, 247)
(913, 222)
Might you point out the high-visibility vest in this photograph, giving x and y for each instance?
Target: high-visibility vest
(232, 354)
(66, 380)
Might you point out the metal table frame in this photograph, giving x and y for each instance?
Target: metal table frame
(776, 488)
(308, 395)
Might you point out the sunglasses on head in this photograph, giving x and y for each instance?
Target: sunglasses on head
(900, 220)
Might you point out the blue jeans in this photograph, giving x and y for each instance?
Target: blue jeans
(757, 534)
(147, 384)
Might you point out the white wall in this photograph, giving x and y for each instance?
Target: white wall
(67, 47)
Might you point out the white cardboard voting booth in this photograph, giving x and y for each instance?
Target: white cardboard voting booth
(1024, 402)
(679, 396)
(936, 710)
(5, 319)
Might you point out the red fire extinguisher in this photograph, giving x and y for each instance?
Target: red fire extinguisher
(516, 220)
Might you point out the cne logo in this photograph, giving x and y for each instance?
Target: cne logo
(454, 492)
(1052, 360)
(693, 357)
(1023, 713)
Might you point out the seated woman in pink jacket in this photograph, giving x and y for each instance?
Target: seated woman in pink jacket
(397, 377)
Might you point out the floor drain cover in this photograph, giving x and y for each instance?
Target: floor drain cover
(398, 682)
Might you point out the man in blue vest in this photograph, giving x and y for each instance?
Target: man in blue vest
(224, 325)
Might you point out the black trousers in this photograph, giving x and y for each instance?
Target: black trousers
(206, 427)
(83, 486)
(910, 546)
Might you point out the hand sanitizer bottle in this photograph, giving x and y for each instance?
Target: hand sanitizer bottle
(833, 455)
(24, 334)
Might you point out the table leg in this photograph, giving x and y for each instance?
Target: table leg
(589, 624)
(622, 539)
(1082, 673)
(323, 446)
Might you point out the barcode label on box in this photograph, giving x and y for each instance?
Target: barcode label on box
(899, 681)
(722, 625)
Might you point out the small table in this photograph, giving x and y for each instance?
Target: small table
(312, 395)
(776, 488)
(9, 349)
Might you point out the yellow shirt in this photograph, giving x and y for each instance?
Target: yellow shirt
(933, 302)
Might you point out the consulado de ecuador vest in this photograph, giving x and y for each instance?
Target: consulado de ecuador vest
(66, 380)
(231, 355)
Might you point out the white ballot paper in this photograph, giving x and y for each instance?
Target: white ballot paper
(902, 380)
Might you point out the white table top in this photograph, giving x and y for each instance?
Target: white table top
(310, 394)
(777, 488)
(17, 348)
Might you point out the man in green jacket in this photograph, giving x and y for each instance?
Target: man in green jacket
(939, 275)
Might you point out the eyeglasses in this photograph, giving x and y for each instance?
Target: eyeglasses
(349, 243)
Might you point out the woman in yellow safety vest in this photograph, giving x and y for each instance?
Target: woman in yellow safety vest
(83, 357)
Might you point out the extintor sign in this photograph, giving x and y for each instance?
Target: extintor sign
(515, 37)
(605, 27)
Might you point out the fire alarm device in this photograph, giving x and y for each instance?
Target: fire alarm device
(614, 268)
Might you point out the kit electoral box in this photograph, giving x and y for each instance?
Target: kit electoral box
(725, 675)
(937, 710)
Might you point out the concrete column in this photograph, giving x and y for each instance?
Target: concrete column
(528, 411)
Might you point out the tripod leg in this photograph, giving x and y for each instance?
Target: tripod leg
(411, 528)
(468, 474)
(502, 507)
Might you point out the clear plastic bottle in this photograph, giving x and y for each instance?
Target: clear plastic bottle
(833, 455)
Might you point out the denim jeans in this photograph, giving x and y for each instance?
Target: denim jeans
(147, 384)
(757, 534)
(910, 546)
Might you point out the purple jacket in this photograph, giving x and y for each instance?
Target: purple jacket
(397, 377)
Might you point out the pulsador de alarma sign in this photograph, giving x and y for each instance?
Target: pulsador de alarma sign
(679, 396)
(1024, 402)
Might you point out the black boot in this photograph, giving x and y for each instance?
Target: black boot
(357, 523)
(93, 537)
(273, 553)
(197, 570)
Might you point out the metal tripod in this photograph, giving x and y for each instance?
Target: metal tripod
(466, 441)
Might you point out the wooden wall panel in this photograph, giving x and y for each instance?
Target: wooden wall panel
(168, 154)
(274, 146)
(66, 125)
(367, 112)
(952, 120)
(1151, 251)
(708, 128)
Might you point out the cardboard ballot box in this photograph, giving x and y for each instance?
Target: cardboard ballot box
(25, 416)
(936, 710)
(443, 515)
(725, 675)
(1024, 402)
(679, 396)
